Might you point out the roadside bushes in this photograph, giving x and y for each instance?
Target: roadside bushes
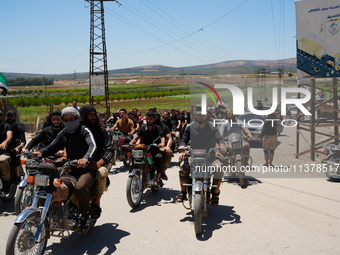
(57, 97)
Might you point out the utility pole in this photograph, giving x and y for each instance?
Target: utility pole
(99, 85)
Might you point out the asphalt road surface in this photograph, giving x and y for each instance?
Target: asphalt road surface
(296, 214)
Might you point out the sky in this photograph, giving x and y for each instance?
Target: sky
(53, 37)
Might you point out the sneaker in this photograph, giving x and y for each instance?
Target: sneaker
(160, 183)
(164, 176)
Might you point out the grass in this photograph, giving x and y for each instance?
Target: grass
(28, 114)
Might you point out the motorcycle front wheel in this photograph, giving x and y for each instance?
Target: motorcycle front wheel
(21, 239)
(198, 206)
(134, 190)
(23, 198)
(10, 195)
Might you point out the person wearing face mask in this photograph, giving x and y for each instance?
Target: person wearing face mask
(17, 144)
(48, 134)
(79, 144)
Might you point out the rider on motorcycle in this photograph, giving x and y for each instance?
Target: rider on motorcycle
(234, 126)
(168, 139)
(17, 144)
(79, 144)
(6, 135)
(48, 134)
(202, 135)
(148, 134)
(124, 124)
(103, 154)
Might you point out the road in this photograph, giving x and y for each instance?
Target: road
(297, 214)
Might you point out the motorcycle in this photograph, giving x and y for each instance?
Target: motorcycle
(333, 161)
(235, 158)
(199, 189)
(54, 211)
(26, 188)
(122, 152)
(142, 174)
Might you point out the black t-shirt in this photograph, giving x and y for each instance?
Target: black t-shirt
(4, 128)
(45, 137)
(18, 134)
(174, 122)
(150, 136)
(167, 123)
(205, 138)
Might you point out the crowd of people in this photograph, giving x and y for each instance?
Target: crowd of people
(82, 133)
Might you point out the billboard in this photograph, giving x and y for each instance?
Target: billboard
(97, 85)
(317, 37)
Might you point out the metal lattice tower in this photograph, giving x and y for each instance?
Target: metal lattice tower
(99, 85)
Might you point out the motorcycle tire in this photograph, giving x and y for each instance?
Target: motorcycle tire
(134, 190)
(10, 195)
(23, 198)
(21, 239)
(198, 206)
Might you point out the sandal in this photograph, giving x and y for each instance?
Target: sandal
(96, 211)
(214, 199)
(164, 176)
(181, 196)
(160, 183)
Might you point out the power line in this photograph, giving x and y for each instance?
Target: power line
(167, 43)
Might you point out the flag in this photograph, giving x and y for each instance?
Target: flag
(3, 84)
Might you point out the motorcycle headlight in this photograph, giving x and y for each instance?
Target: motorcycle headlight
(236, 146)
(137, 154)
(41, 180)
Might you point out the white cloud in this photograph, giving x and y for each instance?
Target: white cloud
(4, 66)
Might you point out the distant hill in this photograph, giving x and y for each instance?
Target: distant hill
(227, 67)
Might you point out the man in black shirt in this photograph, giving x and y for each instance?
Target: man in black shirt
(103, 155)
(6, 135)
(202, 135)
(167, 155)
(149, 134)
(48, 134)
(81, 145)
(17, 144)
(176, 125)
